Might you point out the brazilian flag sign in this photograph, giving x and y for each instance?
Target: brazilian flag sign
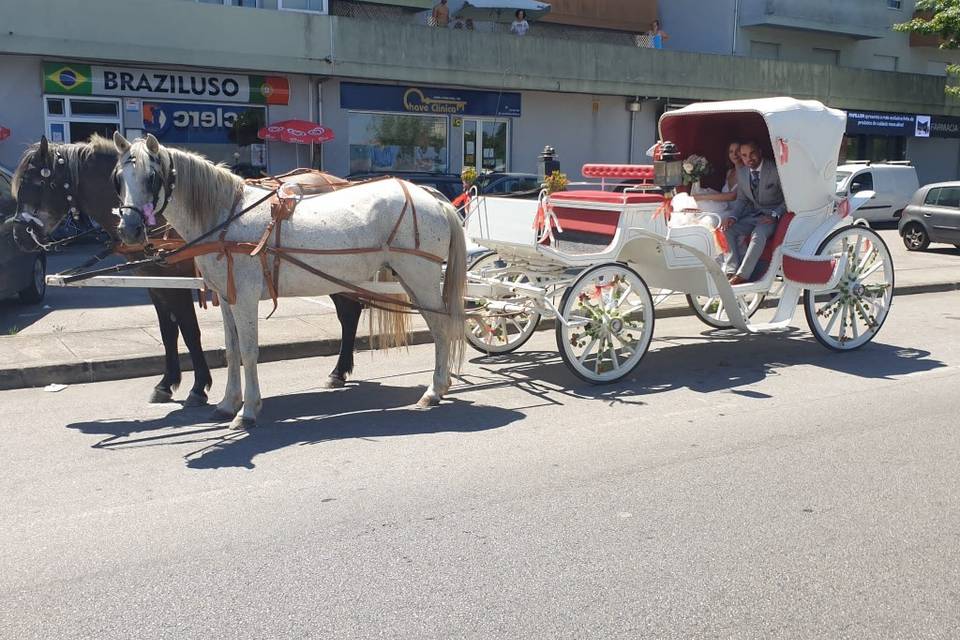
(73, 79)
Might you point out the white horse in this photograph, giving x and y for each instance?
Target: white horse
(359, 217)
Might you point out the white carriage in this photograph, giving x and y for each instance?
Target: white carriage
(600, 298)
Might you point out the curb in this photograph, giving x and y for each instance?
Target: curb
(138, 366)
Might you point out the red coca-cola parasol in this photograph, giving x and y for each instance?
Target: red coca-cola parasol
(5, 133)
(296, 132)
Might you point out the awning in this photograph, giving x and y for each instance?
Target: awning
(501, 10)
(296, 132)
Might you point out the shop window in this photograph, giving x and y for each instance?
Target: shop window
(76, 119)
(310, 6)
(397, 142)
(55, 107)
(107, 108)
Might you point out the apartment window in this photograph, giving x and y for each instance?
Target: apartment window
(826, 56)
(310, 6)
(893, 4)
(884, 63)
(764, 49)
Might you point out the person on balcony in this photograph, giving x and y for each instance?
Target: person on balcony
(755, 212)
(658, 36)
(441, 15)
(520, 26)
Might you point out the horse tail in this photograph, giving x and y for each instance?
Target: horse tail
(454, 286)
(389, 324)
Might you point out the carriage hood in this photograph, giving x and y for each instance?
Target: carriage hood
(801, 136)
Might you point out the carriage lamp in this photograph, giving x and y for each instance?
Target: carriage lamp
(667, 166)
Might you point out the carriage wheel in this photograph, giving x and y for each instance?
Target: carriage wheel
(491, 332)
(607, 323)
(851, 314)
(710, 308)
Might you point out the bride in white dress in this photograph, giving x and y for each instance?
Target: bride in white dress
(709, 199)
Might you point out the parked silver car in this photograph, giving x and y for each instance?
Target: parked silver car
(933, 215)
(21, 273)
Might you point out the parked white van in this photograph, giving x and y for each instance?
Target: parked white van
(893, 182)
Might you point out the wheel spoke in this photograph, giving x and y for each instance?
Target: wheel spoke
(613, 355)
(627, 346)
(832, 321)
(586, 352)
(719, 313)
(869, 272)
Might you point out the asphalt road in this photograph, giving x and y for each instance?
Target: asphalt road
(735, 487)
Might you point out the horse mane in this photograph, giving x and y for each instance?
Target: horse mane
(74, 155)
(202, 187)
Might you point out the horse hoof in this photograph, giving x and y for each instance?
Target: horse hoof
(195, 399)
(241, 423)
(219, 415)
(428, 401)
(333, 382)
(159, 396)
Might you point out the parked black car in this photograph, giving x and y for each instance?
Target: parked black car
(503, 183)
(932, 215)
(446, 183)
(21, 273)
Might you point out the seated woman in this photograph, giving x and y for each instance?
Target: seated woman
(720, 202)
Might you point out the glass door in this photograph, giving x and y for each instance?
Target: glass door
(486, 145)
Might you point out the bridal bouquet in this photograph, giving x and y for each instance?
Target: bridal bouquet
(694, 168)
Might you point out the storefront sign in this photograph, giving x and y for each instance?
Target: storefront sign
(85, 79)
(902, 124)
(182, 122)
(428, 100)
(883, 124)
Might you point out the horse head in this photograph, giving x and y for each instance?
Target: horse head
(145, 179)
(44, 188)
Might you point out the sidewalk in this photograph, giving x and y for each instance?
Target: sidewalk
(91, 335)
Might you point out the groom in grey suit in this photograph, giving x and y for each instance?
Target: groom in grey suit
(755, 212)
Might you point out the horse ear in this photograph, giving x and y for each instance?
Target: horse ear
(122, 145)
(44, 150)
(153, 146)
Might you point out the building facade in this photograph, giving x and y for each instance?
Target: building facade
(401, 95)
(852, 34)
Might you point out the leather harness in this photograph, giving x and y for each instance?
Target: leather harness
(309, 183)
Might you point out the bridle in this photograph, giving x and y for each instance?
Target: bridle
(158, 183)
(32, 225)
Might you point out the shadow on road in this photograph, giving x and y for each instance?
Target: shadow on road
(716, 360)
(367, 410)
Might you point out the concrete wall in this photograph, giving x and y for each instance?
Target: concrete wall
(184, 33)
(712, 31)
(936, 160)
(21, 106)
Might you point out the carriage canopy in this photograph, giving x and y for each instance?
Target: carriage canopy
(802, 136)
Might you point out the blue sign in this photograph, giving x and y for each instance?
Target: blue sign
(428, 100)
(183, 122)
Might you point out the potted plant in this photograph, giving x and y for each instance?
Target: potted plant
(556, 181)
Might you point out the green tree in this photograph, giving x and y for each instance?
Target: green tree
(938, 18)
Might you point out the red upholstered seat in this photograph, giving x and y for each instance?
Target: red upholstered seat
(621, 171)
(606, 197)
(777, 238)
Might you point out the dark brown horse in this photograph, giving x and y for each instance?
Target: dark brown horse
(55, 180)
